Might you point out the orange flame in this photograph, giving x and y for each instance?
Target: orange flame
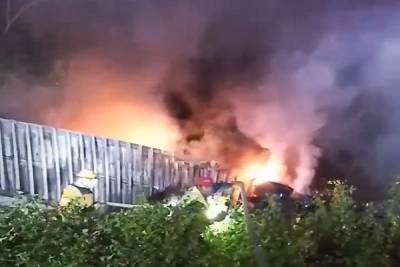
(272, 170)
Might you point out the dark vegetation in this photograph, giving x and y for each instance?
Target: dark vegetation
(333, 231)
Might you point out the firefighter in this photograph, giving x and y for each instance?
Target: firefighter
(200, 192)
(81, 190)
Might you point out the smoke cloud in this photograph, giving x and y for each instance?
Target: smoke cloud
(310, 86)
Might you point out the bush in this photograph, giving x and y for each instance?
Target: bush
(333, 232)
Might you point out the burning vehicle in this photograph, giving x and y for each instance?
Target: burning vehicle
(235, 193)
(258, 195)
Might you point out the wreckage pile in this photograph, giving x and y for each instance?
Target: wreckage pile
(333, 231)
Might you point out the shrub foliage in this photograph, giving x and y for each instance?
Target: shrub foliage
(334, 231)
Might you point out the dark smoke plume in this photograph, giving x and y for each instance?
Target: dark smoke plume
(198, 91)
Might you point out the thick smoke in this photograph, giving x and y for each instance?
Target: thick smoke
(311, 86)
(200, 91)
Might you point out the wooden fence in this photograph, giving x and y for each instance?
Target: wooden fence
(40, 160)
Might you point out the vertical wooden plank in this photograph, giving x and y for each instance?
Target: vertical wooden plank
(190, 174)
(94, 154)
(22, 156)
(117, 162)
(36, 159)
(95, 168)
(145, 160)
(158, 167)
(214, 170)
(125, 166)
(168, 162)
(147, 155)
(61, 136)
(176, 177)
(154, 182)
(150, 169)
(137, 158)
(86, 152)
(112, 169)
(138, 166)
(9, 157)
(2, 169)
(16, 177)
(30, 161)
(50, 161)
(130, 174)
(184, 174)
(101, 159)
(76, 154)
(99, 155)
(167, 171)
(106, 170)
(81, 151)
(196, 170)
(180, 174)
(44, 167)
(201, 171)
(171, 162)
(173, 171)
(69, 159)
(56, 162)
(163, 171)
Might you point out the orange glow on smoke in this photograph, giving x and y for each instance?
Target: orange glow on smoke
(110, 103)
(122, 121)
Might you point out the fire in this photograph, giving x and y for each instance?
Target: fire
(271, 170)
(111, 102)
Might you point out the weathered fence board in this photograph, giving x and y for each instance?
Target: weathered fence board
(41, 160)
(2, 169)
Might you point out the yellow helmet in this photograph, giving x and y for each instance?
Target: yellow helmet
(87, 174)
